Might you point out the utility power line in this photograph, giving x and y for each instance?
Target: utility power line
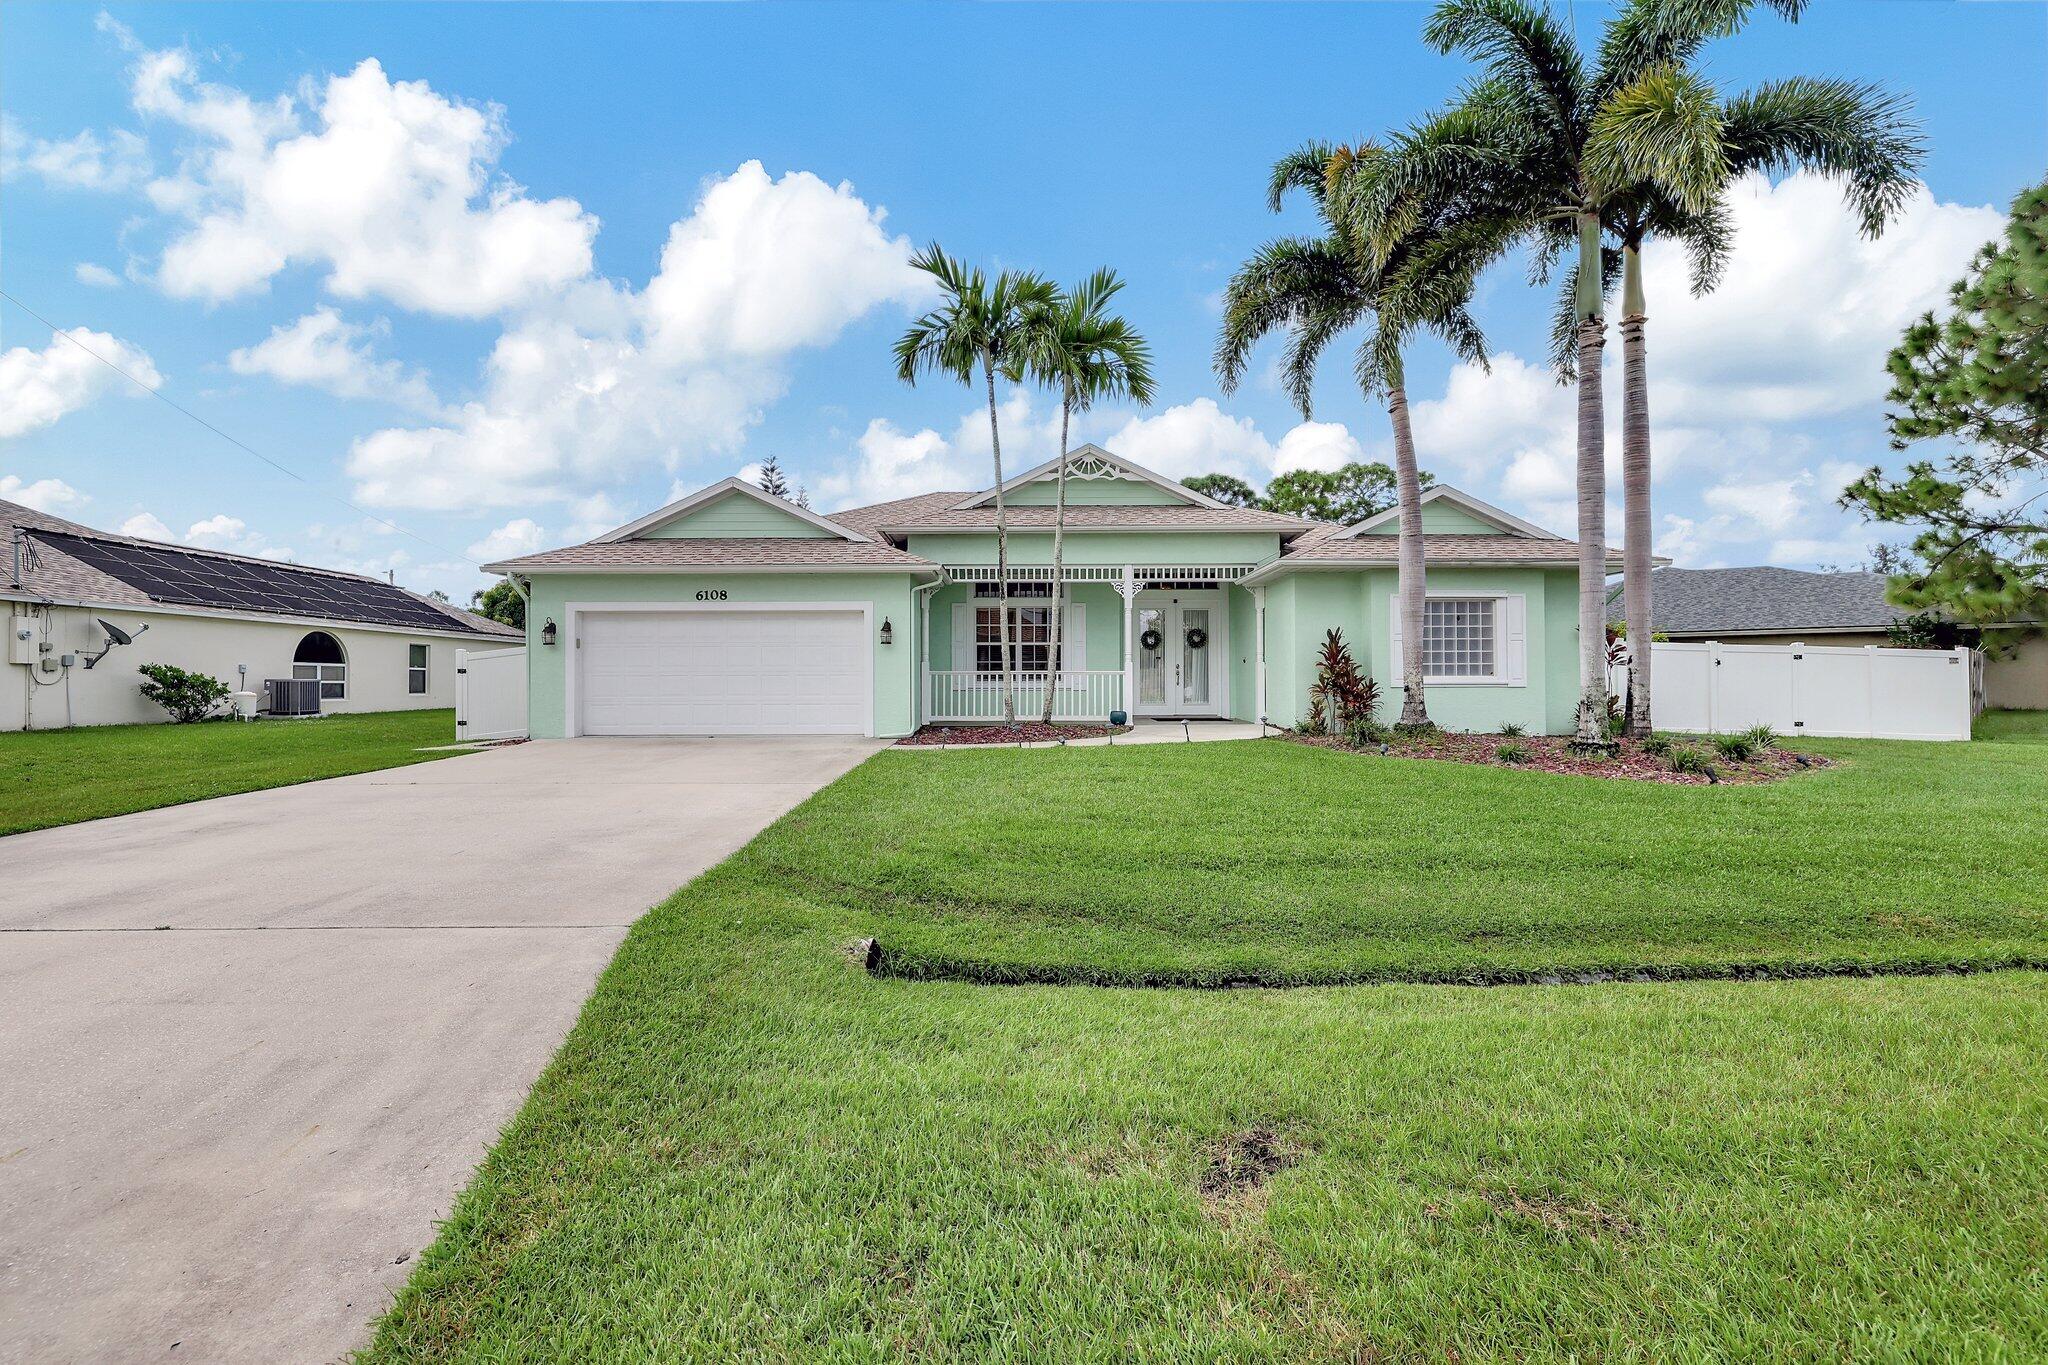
(244, 446)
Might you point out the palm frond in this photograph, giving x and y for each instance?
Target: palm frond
(1522, 46)
(1304, 168)
(1857, 133)
(1283, 282)
(1664, 129)
(1652, 33)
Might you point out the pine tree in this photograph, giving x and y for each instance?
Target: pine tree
(772, 480)
(1977, 382)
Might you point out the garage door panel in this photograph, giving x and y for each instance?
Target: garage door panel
(738, 672)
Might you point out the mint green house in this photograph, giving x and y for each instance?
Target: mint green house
(735, 612)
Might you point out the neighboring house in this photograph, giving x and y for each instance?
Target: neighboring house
(1766, 606)
(372, 646)
(731, 611)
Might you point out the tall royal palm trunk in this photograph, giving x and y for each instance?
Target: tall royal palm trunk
(1635, 484)
(995, 443)
(1059, 582)
(1412, 571)
(1591, 729)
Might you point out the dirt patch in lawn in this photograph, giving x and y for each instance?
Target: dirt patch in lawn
(1241, 1164)
(1025, 732)
(1555, 754)
(1561, 1215)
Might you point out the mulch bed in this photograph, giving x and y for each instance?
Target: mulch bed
(1026, 732)
(1553, 754)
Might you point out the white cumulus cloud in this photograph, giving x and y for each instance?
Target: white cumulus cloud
(86, 161)
(97, 276)
(327, 352)
(39, 387)
(519, 536)
(45, 495)
(146, 526)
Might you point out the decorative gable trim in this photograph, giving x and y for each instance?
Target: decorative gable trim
(722, 489)
(1091, 461)
(1485, 511)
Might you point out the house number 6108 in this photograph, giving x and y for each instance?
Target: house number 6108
(711, 594)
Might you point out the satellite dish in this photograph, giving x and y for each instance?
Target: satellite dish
(115, 636)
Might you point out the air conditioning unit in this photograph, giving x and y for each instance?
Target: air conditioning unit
(291, 696)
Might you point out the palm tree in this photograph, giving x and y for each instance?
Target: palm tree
(1078, 347)
(1635, 145)
(979, 325)
(1318, 287)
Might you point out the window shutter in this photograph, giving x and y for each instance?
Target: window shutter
(1074, 638)
(1396, 668)
(963, 637)
(1515, 640)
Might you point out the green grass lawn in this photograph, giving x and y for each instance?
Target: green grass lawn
(751, 1149)
(58, 777)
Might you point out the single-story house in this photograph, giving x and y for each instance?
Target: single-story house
(370, 645)
(1764, 605)
(731, 611)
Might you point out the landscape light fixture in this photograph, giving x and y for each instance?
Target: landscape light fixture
(547, 632)
(888, 632)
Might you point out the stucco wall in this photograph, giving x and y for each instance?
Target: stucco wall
(888, 593)
(1301, 607)
(108, 694)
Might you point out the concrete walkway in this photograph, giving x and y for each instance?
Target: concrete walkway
(250, 1048)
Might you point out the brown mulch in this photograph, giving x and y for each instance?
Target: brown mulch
(1553, 754)
(1026, 732)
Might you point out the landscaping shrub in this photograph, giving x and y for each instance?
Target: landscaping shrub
(1735, 748)
(1657, 743)
(1364, 732)
(1762, 738)
(1512, 729)
(1688, 758)
(1340, 690)
(1511, 753)
(187, 696)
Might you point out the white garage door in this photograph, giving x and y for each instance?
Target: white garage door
(725, 673)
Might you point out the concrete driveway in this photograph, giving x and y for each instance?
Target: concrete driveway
(250, 1048)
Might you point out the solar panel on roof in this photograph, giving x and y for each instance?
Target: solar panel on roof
(190, 579)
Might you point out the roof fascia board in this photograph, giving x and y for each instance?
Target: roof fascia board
(1485, 511)
(712, 493)
(9, 593)
(1153, 477)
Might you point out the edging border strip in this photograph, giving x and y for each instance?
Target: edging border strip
(895, 964)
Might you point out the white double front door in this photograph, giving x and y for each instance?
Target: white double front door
(1177, 640)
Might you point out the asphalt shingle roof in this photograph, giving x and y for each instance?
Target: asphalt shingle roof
(1763, 598)
(60, 575)
(733, 552)
(941, 512)
(1437, 549)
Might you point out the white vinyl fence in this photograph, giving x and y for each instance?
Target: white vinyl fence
(1875, 693)
(490, 694)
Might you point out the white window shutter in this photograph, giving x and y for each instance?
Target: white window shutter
(1396, 668)
(1515, 643)
(1074, 638)
(963, 637)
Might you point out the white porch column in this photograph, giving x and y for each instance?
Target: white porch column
(922, 707)
(1128, 590)
(1259, 642)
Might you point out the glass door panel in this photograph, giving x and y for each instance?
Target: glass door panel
(1152, 689)
(1194, 659)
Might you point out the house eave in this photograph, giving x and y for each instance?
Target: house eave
(10, 593)
(558, 570)
(1278, 567)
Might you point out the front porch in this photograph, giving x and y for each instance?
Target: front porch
(1176, 640)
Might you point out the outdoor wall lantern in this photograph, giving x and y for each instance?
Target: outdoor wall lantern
(888, 632)
(547, 632)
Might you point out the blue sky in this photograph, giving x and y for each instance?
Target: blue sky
(506, 275)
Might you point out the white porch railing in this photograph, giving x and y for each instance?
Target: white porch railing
(953, 696)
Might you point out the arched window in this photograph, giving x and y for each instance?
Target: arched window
(319, 656)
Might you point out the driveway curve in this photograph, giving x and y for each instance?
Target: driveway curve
(250, 1048)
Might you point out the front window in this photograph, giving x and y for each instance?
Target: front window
(1459, 637)
(1030, 628)
(319, 657)
(416, 670)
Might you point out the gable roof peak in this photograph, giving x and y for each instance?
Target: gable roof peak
(1093, 458)
(1508, 522)
(711, 493)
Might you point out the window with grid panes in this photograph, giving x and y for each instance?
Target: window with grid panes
(1459, 637)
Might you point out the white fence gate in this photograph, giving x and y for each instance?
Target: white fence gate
(490, 694)
(1872, 692)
